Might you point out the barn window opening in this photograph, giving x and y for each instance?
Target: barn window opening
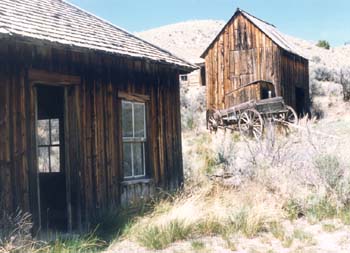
(134, 139)
(183, 78)
(48, 132)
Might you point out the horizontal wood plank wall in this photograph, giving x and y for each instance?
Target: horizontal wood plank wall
(96, 167)
(243, 54)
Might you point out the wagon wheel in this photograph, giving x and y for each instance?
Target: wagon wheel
(251, 124)
(213, 120)
(287, 119)
(291, 116)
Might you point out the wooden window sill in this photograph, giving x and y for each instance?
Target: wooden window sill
(137, 181)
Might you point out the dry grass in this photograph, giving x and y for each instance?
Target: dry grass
(248, 188)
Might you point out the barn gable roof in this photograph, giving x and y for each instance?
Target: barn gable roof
(268, 29)
(59, 22)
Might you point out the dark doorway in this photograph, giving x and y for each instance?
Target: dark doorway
(300, 101)
(50, 150)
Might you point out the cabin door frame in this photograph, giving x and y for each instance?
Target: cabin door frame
(70, 84)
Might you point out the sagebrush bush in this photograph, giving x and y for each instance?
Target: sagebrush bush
(323, 74)
(345, 82)
(192, 107)
(329, 169)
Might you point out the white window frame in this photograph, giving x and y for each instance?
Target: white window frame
(134, 140)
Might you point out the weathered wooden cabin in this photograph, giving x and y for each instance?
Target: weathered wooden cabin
(249, 51)
(89, 114)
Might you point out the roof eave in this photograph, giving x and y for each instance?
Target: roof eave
(204, 54)
(186, 67)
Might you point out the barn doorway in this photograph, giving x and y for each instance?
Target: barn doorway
(300, 101)
(50, 157)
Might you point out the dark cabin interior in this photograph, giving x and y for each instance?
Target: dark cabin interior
(50, 146)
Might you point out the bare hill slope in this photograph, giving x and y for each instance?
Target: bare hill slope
(187, 40)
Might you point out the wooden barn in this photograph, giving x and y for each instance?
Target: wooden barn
(89, 114)
(247, 54)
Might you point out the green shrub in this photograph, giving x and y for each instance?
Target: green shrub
(303, 236)
(293, 209)
(329, 228)
(329, 169)
(198, 245)
(344, 215)
(320, 208)
(324, 44)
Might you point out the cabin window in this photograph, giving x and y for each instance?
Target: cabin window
(49, 145)
(134, 139)
(183, 78)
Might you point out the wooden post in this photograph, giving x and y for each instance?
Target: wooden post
(67, 160)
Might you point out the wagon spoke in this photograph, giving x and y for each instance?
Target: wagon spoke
(251, 124)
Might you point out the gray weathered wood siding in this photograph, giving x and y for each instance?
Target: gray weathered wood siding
(242, 54)
(93, 124)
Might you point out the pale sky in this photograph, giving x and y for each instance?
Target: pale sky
(307, 19)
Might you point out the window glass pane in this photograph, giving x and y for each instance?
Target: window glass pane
(127, 160)
(55, 159)
(44, 132)
(55, 131)
(43, 160)
(127, 119)
(138, 159)
(139, 114)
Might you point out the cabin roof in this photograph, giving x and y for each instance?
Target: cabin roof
(270, 30)
(59, 22)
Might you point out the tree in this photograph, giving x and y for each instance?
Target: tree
(324, 44)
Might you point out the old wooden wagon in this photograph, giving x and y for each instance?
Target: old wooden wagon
(89, 114)
(250, 117)
(246, 51)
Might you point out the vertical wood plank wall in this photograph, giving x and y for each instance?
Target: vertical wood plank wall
(94, 125)
(243, 54)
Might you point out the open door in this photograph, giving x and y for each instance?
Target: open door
(300, 101)
(58, 161)
(51, 157)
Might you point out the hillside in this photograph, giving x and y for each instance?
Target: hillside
(187, 40)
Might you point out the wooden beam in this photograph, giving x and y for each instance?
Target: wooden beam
(133, 97)
(51, 78)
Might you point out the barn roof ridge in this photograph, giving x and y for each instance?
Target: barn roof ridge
(245, 12)
(265, 27)
(59, 21)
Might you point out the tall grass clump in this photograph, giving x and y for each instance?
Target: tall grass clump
(15, 232)
(210, 210)
(82, 244)
(159, 237)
